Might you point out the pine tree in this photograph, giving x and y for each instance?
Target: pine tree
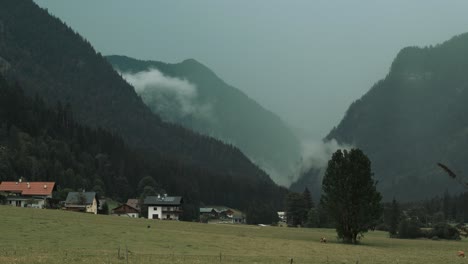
(394, 218)
(308, 199)
(296, 209)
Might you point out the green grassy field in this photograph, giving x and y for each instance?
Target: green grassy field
(53, 236)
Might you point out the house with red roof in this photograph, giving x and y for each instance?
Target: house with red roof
(27, 194)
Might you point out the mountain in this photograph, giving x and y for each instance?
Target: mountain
(41, 143)
(413, 119)
(50, 60)
(190, 94)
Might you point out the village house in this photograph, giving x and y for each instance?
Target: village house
(164, 207)
(86, 202)
(209, 212)
(135, 203)
(223, 214)
(27, 194)
(129, 209)
(237, 217)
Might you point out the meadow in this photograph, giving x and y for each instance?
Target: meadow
(54, 236)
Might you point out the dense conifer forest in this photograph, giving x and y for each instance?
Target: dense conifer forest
(41, 143)
(91, 130)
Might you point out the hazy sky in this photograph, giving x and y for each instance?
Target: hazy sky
(304, 60)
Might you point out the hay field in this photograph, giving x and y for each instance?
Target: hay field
(52, 236)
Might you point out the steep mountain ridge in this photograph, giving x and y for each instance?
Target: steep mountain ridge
(221, 111)
(48, 59)
(413, 119)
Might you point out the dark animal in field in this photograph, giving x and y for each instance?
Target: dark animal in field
(461, 254)
(323, 240)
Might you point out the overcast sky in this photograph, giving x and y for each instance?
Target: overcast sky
(304, 60)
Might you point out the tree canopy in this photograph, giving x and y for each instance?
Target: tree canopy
(350, 195)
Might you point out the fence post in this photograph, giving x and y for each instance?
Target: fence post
(126, 252)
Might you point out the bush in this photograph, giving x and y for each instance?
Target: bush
(444, 231)
(3, 199)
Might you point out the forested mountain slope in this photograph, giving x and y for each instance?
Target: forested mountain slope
(40, 143)
(414, 118)
(190, 94)
(48, 59)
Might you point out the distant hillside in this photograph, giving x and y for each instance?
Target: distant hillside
(40, 143)
(47, 58)
(190, 94)
(414, 118)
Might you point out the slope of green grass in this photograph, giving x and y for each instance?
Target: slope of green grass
(53, 236)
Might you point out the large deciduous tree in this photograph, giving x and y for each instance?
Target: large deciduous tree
(350, 195)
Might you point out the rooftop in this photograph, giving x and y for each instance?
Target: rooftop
(74, 198)
(135, 203)
(28, 188)
(163, 200)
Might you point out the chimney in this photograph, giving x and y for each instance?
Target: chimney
(45, 186)
(159, 195)
(165, 195)
(20, 180)
(29, 186)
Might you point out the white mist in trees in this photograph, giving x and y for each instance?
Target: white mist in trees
(315, 155)
(172, 98)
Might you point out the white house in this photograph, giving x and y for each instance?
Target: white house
(164, 207)
(27, 194)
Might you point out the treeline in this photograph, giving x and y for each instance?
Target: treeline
(302, 211)
(436, 218)
(42, 143)
(441, 217)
